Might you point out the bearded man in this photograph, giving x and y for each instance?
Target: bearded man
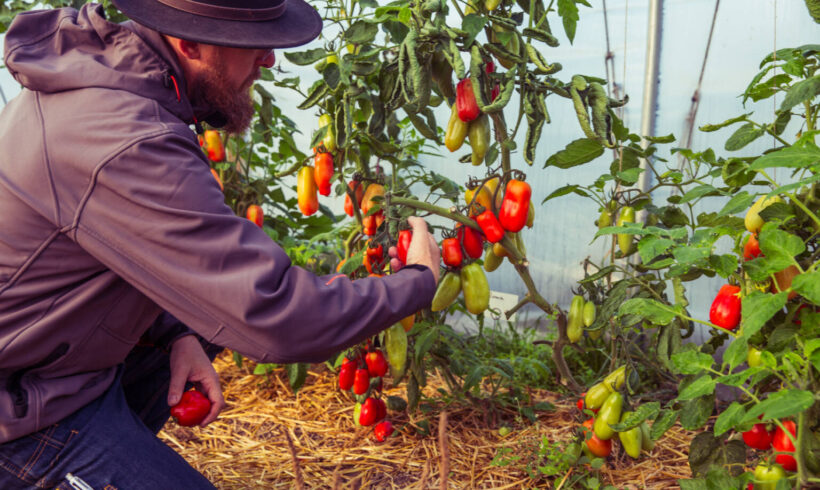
(122, 271)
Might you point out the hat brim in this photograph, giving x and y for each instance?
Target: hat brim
(298, 25)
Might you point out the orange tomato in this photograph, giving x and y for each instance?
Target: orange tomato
(306, 191)
(255, 214)
(323, 172)
(214, 146)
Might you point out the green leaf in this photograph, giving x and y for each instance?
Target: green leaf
(780, 247)
(738, 379)
(739, 202)
(704, 385)
(781, 404)
(689, 255)
(629, 176)
(791, 156)
(308, 57)
(473, 24)
(724, 265)
(645, 411)
(663, 423)
(807, 285)
(736, 352)
(649, 309)
(694, 484)
(708, 128)
(563, 191)
(576, 153)
(569, 15)
(802, 91)
(424, 342)
(651, 246)
(297, 374)
(691, 362)
(697, 192)
(743, 136)
(695, 413)
(758, 308)
(669, 138)
(729, 418)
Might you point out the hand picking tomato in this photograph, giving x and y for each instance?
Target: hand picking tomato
(255, 214)
(191, 409)
(767, 476)
(361, 381)
(726, 307)
(382, 430)
(782, 444)
(376, 363)
(451, 252)
(758, 437)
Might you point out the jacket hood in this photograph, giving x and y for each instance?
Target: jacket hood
(65, 49)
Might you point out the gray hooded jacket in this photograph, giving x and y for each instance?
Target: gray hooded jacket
(109, 215)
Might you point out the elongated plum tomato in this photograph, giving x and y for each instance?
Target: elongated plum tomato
(515, 205)
(726, 307)
(758, 437)
(255, 214)
(451, 252)
(405, 237)
(782, 444)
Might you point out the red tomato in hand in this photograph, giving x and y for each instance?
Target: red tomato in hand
(725, 311)
(405, 237)
(191, 409)
(783, 444)
(758, 437)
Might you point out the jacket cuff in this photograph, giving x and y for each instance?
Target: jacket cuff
(426, 285)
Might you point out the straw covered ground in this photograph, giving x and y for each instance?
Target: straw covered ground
(269, 438)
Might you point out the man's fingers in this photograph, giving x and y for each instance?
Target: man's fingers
(176, 386)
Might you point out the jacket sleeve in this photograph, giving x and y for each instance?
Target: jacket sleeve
(156, 217)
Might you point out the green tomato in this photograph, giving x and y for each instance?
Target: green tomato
(647, 444)
(631, 439)
(766, 477)
(491, 260)
(575, 321)
(475, 287)
(609, 414)
(589, 313)
(625, 239)
(596, 396)
(615, 380)
(395, 343)
(357, 410)
(753, 357)
(447, 291)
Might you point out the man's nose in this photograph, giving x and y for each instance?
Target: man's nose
(267, 59)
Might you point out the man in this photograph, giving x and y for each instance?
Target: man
(113, 228)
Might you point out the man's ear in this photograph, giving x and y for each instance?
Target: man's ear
(189, 49)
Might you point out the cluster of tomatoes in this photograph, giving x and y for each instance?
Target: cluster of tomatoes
(762, 438)
(313, 180)
(363, 376)
(606, 403)
(211, 143)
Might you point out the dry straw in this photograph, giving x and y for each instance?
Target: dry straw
(268, 438)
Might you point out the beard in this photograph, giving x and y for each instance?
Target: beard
(212, 89)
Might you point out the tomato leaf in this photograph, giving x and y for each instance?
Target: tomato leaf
(736, 352)
(739, 202)
(757, 309)
(780, 247)
(663, 423)
(563, 191)
(651, 246)
(361, 32)
(743, 136)
(807, 285)
(645, 411)
(791, 156)
(738, 379)
(649, 309)
(297, 374)
(703, 385)
(800, 92)
(708, 128)
(729, 418)
(576, 153)
(781, 404)
(691, 361)
(569, 16)
(305, 57)
(698, 192)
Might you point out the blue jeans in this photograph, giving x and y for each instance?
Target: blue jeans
(110, 443)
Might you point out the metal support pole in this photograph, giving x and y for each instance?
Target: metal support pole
(650, 87)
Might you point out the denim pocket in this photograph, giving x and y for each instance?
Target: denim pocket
(24, 461)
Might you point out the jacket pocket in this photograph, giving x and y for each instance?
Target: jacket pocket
(14, 382)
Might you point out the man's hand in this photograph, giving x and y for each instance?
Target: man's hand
(423, 249)
(190, 363)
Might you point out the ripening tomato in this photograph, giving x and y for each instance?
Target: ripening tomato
(214, 146)
(306, 191)
(594, 444)
(475, 287)
(515, 205)
(782, 444)
(726, 307)
(255, 214)
(580, 402)
(323, 172)
(358, 191)
(758, 437)
(767, 476)
(783, 280)
(751, 249)
(373, 258)
(451, 252)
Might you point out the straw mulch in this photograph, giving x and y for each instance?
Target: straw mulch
(269, 438)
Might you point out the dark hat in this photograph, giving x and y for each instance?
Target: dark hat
(234, 23)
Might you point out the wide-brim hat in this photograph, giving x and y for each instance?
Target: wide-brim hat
(235, 23)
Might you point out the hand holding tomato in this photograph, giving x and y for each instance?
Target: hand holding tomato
(423, 249)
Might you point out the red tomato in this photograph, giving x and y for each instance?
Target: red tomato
(383, 430)
(516, 205)
(471, 239)
(451, 252)
(580, 402)
(596, 446)
(490, 226)
(347, 374)
(751, 248)
(405, 237)
(358, 191)
(361, 381)
(782, 443)
(373, 258)
(192, 408)
(323, 172)
(376, 363)
(725, 311)
(369, 412)
(758, 437)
